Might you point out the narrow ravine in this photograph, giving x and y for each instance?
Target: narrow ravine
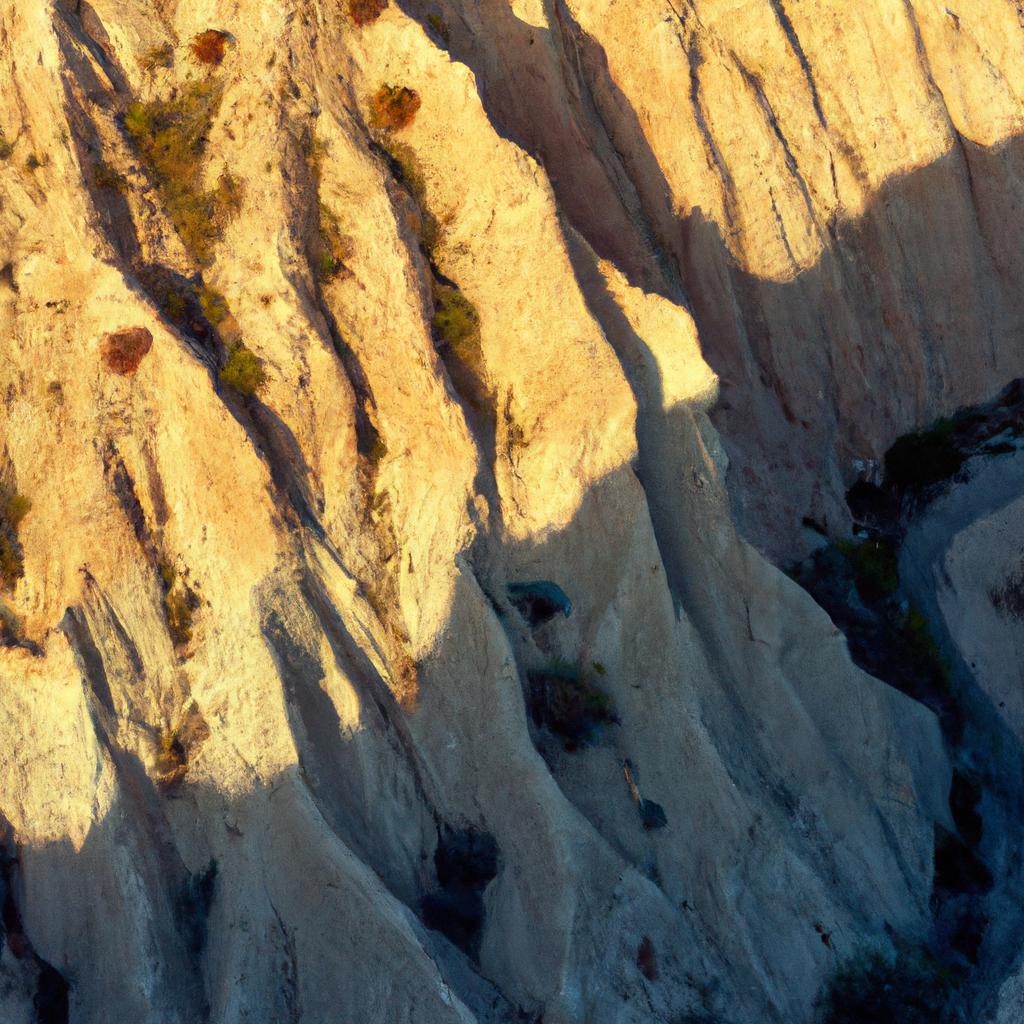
(882, 591)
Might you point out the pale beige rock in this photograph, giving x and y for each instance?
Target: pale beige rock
(354, 683)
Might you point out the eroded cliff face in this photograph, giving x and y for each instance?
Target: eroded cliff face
(380, 642)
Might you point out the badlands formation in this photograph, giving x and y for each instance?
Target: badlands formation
(429, 587)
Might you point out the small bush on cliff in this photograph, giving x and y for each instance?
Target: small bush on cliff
(243, 372)
(457, 325)
(393, 107)
(332, 248)
(569, 704)
(363, 12)
(175, 742)
(6, 149)
(209, 47)
(170, 137)
(180, 604)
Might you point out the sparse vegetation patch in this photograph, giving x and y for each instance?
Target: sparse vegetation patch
(209, 47)
(457, 326)
(180, 605)
(243, 372)
(13, 509)
(170, 137)
(333, 248)
(875, 566)
(175, 743)
(161, 56)
(393, 107)
(105, 176)
(569, 704)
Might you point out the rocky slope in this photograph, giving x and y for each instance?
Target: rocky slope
(381, 638)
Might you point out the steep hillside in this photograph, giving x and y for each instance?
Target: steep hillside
(402, 403)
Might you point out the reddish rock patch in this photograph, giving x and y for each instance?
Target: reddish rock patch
(363, 12)
(123, 350)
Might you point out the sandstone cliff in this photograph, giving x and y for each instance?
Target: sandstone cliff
(399, 412)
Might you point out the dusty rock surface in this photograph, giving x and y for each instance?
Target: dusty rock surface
(273, 747)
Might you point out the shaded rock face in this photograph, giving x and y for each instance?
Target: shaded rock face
(385, 643)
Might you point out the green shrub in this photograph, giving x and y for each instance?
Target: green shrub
(567, 703)
(170, 137)
(456, 324)
(33, 162)
(918, 461)
(243, 372)
(6, 149)
(393, 107)
(214, 305)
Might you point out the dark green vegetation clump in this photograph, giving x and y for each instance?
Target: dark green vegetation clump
(568, 703)
(914, 988)
(170, 137)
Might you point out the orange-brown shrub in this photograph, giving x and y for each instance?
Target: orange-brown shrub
(208, 47)
(123, 350)
(393, 107)
(363, 12)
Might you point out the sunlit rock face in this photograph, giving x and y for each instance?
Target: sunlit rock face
(401, 403)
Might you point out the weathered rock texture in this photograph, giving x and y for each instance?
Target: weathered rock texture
(267, 748)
